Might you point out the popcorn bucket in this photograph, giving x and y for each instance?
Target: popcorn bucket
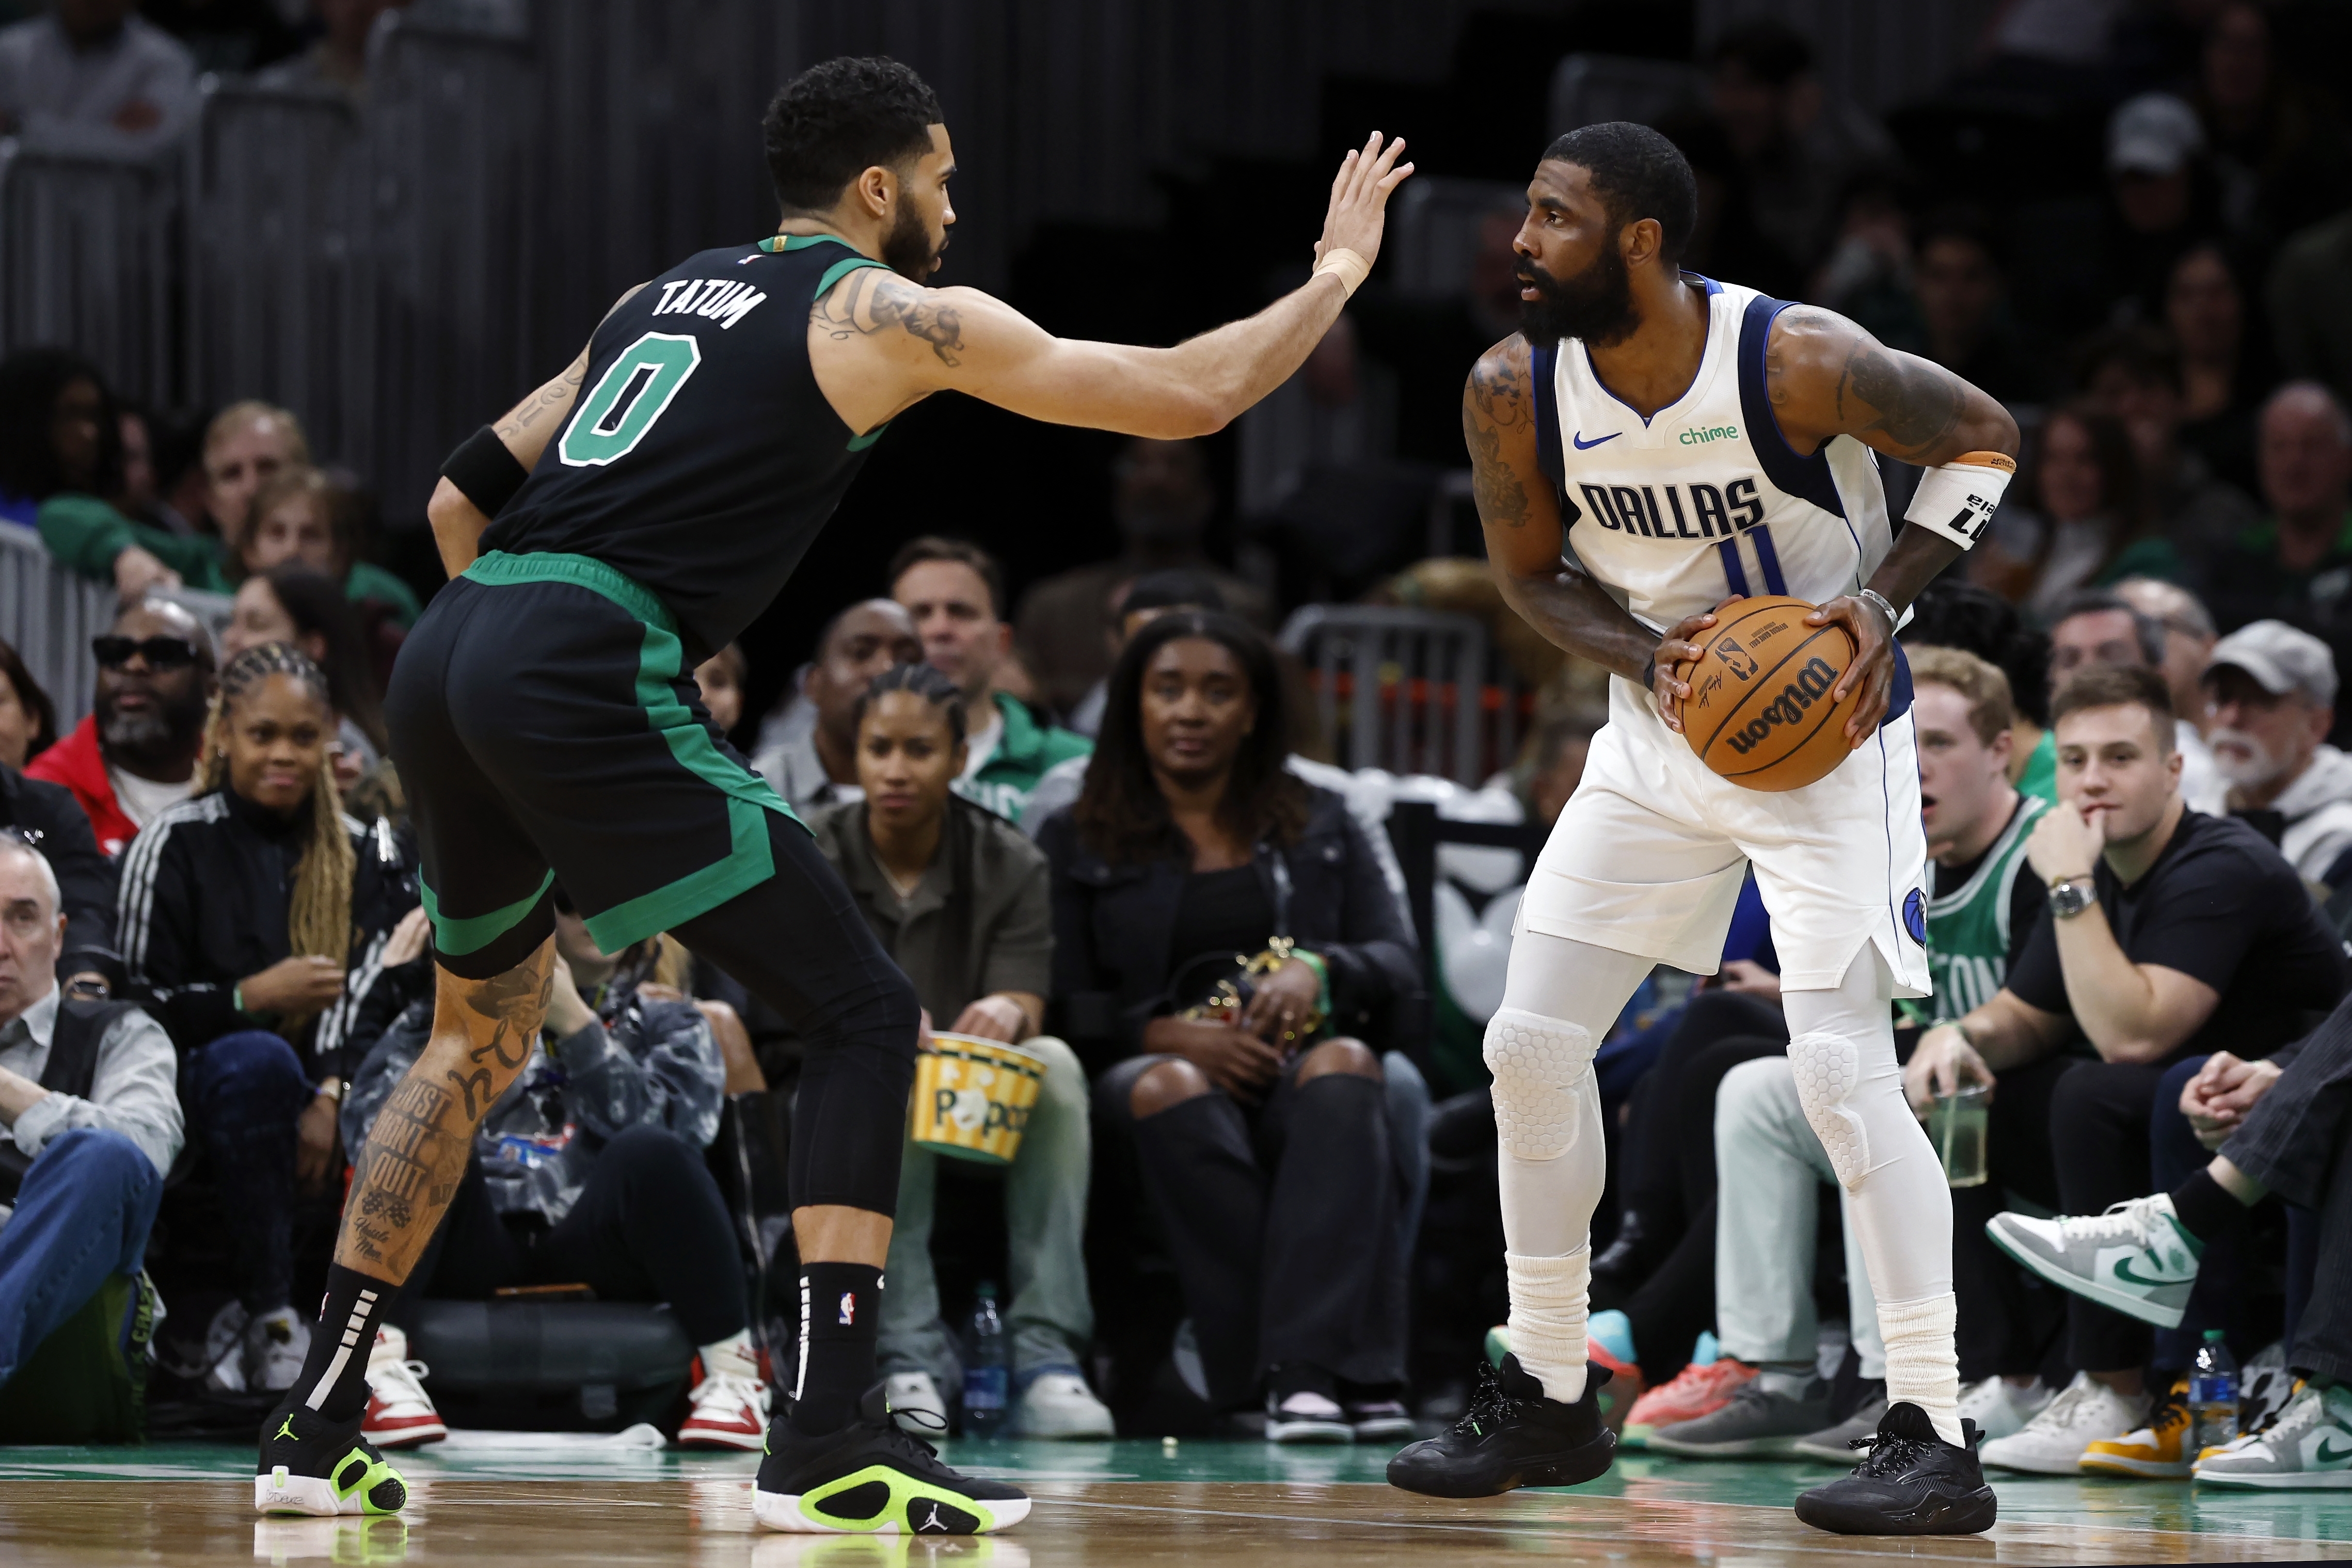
(972, 1098)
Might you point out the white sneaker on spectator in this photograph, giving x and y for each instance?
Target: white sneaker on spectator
(915, 1402)
(2308, 1447)
(1307, 1416)
(400, 1414)
(2085, 1412)
(729, 1405)
(277, 1344)
(225, 1350)
(1059, 1405)
(2001, 1408)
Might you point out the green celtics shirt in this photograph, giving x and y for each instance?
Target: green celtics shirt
(1978, 917)
(1001, 773)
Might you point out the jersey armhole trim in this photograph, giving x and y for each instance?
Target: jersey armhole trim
(1543, 366)
(1806, 478)
(841, 269)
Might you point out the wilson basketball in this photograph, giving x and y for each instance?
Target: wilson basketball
(1759, 712)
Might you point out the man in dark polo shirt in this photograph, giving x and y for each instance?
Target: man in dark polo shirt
(960, 901)
(2171, 934)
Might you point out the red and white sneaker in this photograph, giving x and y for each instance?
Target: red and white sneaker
(400, 1414)
(729, 1405)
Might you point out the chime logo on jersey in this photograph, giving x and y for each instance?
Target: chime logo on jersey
(1687, 511)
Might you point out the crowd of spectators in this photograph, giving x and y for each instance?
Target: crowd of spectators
(1088, 823)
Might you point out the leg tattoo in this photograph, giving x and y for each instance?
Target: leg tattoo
(416, 1152)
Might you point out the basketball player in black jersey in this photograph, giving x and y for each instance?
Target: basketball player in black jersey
(617, 527)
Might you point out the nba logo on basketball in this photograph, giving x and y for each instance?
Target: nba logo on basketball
(848, 1308)
(1735, 658)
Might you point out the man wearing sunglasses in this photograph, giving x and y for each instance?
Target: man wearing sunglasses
(136, 753)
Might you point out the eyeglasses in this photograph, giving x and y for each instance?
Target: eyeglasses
(160, 653)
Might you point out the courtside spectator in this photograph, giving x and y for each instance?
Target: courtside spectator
(2311, 314)
(88, 1125)
(338, 60)
(293, 604)
(2080, 522)
(2296, 565)
(299, 514)
(2103, 628)
(256, 918)
(2221, 374)
(1162, 501)
(818, 763)
(61, 448)
(2160, 199)
(959, 899)
(589, 1171)
(246, 445)
(955, 592)
(2188, 638)
(1963, 309)
(135, 755)
(2270, 698)
(48, 817)
(2279, 1128)
(1265, 1142)
(92, 77)
(2171, 934)
(2134, 373)
(28, 720)
(719, 679)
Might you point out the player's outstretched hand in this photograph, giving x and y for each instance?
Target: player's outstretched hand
(1670, 665)
(1872, 669)
(1360, 198)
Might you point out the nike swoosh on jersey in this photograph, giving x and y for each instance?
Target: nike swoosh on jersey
(1584, 445)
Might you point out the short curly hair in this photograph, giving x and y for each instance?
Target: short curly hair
(836, 120)
(1637, 174)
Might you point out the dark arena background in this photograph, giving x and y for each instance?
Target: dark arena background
(266, 264)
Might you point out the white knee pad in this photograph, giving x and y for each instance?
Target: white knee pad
(1540, 1066)
(1828, 1070)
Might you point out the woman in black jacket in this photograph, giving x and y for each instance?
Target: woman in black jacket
(1263, 1144)
(264, 927)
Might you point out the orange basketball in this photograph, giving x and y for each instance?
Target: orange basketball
(1759, 712)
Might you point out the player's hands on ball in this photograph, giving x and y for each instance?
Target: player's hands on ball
(1670, 665)
(1360, 198)
(1233, 1059)
(2064, 843)
(1872, 669)
(1942, 1064)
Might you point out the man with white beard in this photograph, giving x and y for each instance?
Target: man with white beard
(2269, 699)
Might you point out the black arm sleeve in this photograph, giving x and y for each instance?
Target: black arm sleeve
(484, 472)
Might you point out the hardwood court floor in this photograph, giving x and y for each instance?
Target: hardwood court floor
(1101, 1505)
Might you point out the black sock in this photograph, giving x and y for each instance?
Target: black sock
(841, 1310)
(355, 1309)
(2205, 1207)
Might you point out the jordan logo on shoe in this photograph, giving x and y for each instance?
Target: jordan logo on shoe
(931, 1522)
(285, 1430)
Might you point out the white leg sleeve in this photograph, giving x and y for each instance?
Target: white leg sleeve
(1842, 1053)
(1560, 997)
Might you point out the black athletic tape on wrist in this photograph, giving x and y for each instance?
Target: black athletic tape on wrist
(484, 472)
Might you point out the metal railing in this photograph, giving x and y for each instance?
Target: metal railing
(85, 262)
(1412, 691)
(49, 615)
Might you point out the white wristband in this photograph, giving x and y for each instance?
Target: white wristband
(1958, 499)
(1349, 267)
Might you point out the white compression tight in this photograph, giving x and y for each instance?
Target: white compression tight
(1559, 997)
(1841, 1052)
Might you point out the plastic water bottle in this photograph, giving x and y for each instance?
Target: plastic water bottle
(2213, 1392)
(987, 1382)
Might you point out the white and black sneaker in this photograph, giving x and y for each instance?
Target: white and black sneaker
(1511, 1436)
(1911, 1483)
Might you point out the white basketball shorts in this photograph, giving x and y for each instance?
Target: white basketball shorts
(1649, 854)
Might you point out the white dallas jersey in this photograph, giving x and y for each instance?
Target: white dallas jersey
(1705, 499)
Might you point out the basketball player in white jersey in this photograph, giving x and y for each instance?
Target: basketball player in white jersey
(1650, 444)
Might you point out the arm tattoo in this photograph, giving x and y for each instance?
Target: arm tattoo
(1497, 400)
(1916, 404)
(875, 300)
(557, 393)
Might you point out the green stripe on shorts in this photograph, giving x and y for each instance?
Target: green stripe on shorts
(661, 659)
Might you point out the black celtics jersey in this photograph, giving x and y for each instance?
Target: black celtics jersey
(700, 458)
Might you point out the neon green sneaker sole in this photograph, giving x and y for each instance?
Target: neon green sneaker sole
(881, 1500)
(358, 1485)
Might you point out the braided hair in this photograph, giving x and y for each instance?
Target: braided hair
(318, 918)
(919, 680)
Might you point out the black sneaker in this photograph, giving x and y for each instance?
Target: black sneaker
(1911, 1483)
(1511, 1436)
(310, 1464)
(870, 1478)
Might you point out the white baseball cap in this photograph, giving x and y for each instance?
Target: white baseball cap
(2155, 134)
(2280, 658)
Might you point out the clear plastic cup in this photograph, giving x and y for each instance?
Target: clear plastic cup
(1956, 1125)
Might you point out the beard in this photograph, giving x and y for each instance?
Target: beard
(1595, 307)
(906, 248)
(2242, 759)
(165, 733)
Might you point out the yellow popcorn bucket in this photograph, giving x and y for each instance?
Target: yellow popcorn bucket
(972, 1098)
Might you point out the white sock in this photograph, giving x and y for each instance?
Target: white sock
(1548, 1296)
(1922, 1365)
(734, 1354)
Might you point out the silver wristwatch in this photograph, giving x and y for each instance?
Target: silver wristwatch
(2072, 896)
